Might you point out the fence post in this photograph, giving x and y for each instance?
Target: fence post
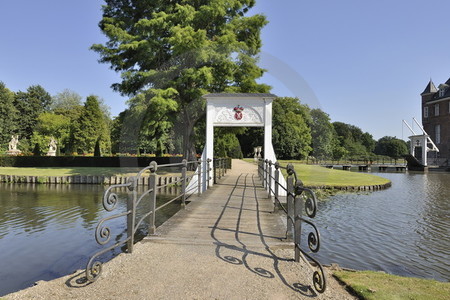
(277, 182)
(270, 179)
(208, 170)
(290, 201)
(265, 174)
(199, 177)
(131, 208)
(183, 183)
(214, 165)
(298, 207)
(152, 185)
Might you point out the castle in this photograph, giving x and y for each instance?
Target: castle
(436, 120)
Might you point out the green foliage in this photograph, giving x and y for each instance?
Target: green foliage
(322, 134)
(352, 141)
(392, 147)
(226, 144)
(90, 127)
(8, 114)
(179, 51)
(291, 134)
(30, 105)
(50, 125)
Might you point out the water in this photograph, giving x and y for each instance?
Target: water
(47, 231)
(404, 230)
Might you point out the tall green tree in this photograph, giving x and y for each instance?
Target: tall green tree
(322, 134)
(90, 127)
(30, 105)
(188, 47)
(8, 114)
(291, 134)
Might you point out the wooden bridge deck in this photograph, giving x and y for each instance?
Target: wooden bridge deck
(236, 212)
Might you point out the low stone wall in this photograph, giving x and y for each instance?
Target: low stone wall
(86, 179)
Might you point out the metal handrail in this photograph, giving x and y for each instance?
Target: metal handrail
(111, 199)
(298, 198)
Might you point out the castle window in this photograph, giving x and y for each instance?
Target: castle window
(437, 130)
(442, 92)
(425, 111)
(436, 109)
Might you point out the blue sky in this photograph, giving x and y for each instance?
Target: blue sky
(363, 62)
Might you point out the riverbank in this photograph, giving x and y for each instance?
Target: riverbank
(81, 175)
(373, 285)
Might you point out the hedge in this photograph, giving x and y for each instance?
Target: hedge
(82, 161)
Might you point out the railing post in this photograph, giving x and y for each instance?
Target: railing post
(183, 184)
(298, 207)
(270, 179)
(199, 177)
(277, 182)
(131, 209)
(214, 169)
(152, 185)
(208, 170)
(265, 174)
(290, 202)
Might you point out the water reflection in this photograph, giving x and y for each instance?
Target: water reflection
(403, 230)
(47, 231)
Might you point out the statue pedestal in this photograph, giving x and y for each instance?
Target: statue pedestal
(13, 152)
(51, 153)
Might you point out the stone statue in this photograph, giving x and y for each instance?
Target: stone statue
(13, 143)
(12, 147)
(52, 147)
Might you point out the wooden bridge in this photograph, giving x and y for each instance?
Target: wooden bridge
(228, 243)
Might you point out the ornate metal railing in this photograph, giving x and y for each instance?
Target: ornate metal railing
(298, 198)
(110, 202)
(103, 232)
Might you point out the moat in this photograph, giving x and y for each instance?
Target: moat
(46, 231)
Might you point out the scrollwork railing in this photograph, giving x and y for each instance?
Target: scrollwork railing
(111, 199)
(298, 199)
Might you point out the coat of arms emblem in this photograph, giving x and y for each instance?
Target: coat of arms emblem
(238, 112)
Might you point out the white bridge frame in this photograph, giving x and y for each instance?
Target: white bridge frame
(220, 112)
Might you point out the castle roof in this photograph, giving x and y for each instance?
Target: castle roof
(430, 89)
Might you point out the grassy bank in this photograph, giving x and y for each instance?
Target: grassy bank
(314, 175)
(317, 176)
(381, 286)
(74, 171)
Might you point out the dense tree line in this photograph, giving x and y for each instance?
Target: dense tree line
(36, 117)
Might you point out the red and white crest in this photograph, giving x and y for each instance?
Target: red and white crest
(238, 112)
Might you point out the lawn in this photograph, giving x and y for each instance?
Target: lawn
(381, 286)
(314, 175)
(72, 171)
(317, 176)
